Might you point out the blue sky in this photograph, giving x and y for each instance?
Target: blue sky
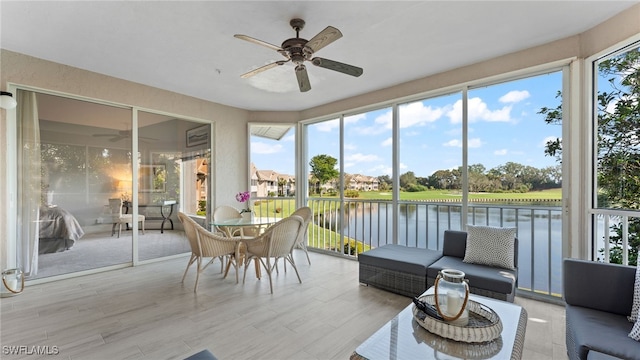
(503, 127)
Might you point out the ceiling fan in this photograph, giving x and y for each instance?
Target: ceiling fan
(298, 50)
(121, 135)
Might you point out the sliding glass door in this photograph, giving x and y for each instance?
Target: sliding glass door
(86, 160)
(98, 192)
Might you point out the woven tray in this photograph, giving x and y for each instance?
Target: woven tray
(484, 324)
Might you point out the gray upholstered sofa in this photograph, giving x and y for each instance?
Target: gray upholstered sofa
(494, 282)
(410, 271)
(599, 298)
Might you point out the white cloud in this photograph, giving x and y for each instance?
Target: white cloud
(414, 114)
(417, 114)
(514, 96)
(361, 157)
(500, 152)
(387, 142)
(611, 106)
(473, 143)
(354, 118)
(453, 143)
(290, 138)
(381, 124)
(350, 146)
(327, 126)
(379, 170)
(264, 148)
(478, 110)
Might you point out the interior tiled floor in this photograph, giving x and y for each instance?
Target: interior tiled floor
(146, 313)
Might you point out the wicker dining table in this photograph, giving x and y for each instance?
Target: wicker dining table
(230, 226)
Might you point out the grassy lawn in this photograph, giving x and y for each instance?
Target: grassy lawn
(435, 195)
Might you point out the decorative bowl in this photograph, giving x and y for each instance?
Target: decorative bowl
(484, 324)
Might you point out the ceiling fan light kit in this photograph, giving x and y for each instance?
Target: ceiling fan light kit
(7, 101)
(298, 50)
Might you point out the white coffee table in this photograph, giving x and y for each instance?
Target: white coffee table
(403, 338)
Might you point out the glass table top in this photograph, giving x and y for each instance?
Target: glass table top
(403, 338)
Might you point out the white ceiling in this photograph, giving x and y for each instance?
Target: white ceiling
(188, 46)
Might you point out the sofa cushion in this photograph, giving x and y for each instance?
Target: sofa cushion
(635, 306)
(488, 245)
(400, 258)
(601, 331)
(479, 276)
(589, 284)
(635, 331)
(455, 243)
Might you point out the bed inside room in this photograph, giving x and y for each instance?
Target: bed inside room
(58, 229)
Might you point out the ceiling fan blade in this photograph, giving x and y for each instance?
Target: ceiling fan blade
(259, 42)
(324, 38)
(337, 66)
(262, 68)
(102, 135)
(303, 78)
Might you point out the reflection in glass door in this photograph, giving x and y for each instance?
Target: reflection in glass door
(173, 175)
(87, 201)
(86, 166)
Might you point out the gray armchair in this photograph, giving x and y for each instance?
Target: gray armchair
(598, 300)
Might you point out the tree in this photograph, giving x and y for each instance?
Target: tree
(478, 180)
(323, 169)
(618, 144)
(442, 179)
(408, 178)
(553, 116)
(424, 181)
(385, 182)
(282, 182)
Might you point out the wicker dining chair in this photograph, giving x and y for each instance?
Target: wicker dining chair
(205, 244)
(301, 242)
(275, 243)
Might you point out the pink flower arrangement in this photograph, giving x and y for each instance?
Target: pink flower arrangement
(243, 197)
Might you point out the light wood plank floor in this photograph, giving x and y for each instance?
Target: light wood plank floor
(145, 313)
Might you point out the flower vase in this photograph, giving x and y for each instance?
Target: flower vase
(247, 216)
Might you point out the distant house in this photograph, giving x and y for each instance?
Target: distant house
(271, 183)
(268, 182)
(352, 182)
(361, 182)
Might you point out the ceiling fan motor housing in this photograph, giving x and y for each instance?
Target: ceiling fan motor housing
(296, 50)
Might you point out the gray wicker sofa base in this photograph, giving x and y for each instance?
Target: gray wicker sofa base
(410, 271)
(396, 268)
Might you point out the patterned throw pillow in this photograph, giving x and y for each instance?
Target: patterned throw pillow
(493, 246)
(635, 331)
(636, 298)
